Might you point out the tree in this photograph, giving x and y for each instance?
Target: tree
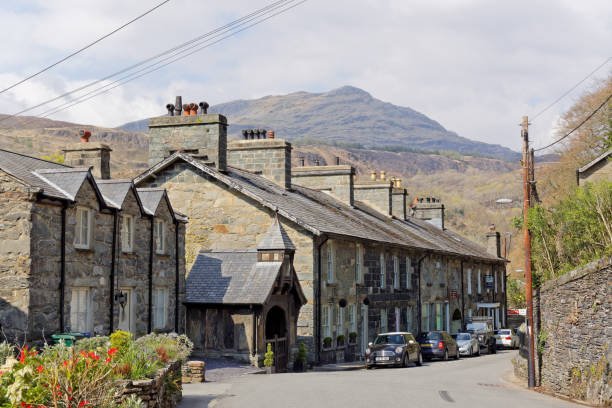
(516, 294)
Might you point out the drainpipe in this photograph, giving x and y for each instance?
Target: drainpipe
(112, 272)
(150, 312)
(177, 276)
(62, 268)
(318, 303)
(462, 299)
(419, 305)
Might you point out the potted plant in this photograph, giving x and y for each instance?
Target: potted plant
(327, 342)
(300, 359)
(340, 340)
(352, 338)
(269, 359)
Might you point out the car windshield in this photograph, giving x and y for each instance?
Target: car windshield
(430, 336)
(477, 326)
(463, 336)
(505, 332)
(389, 339)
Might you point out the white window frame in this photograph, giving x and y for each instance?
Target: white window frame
(383, 271)
(396, 272)
(383, 321)
(82, 239)
(160, 309)
(479, 281)
(495, 281)
(330, 263)
(408, 273)
(352, 318)
(398, 315)
(503, 286)
(359, 263)
(77, 314)
(469, 281)
(325, 322)
(127, 223)
(160, 236)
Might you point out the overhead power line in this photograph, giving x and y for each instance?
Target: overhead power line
(82, 49)
(151, 68)
(176, 49)
(571, 89)
(577, 127)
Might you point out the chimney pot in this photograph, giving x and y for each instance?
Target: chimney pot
(170, 108)
(251, 134)
(492, 227)
(337, 161)
(373, 175)
(398, 182)
(203, 107)
(245, 134)
(186, 110)
(178, 105)
(270, 134)
(301, 161)
(383, 175)
(85, 135)
(193, 109)
(263, 133)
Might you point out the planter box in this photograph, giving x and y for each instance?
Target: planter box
(162, 391)
(328, 356)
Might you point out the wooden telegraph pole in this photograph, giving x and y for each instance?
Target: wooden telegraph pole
(527, 176)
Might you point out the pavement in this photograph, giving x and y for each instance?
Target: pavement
(484, 381)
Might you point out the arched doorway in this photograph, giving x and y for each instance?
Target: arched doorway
(276, 336)
(456, 322)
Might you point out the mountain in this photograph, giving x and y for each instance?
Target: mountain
(346, 115)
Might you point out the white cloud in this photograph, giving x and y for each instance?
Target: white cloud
(473, 65)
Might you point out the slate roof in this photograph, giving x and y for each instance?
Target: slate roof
(320, 213)
(230, 277)
(595, 161)
(115, 191)
(276, 238)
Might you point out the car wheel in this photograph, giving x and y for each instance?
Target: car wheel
(420, 360)
(445, 355)
(405, 361)
(457, 355)
(493, 349)
(368, 367)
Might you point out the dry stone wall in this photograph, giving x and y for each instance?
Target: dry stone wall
(162, 391)
(573, 328)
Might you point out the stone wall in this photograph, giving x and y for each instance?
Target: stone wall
(573, 328)
(600, 171)
(162, 391)
(16, 202)
(376, 194)
(336, 180)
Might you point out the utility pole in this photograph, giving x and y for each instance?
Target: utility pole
(527, 178)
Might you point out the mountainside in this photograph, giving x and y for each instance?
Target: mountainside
(346, 115)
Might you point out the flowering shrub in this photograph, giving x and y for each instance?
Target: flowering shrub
(83, 375)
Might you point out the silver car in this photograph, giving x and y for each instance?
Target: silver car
(468, 344)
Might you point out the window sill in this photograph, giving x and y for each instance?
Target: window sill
(331, 284)
(82, 248)
(161, 253)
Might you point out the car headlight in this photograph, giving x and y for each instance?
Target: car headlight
(399, 350)
(480, 338)
(368, 351)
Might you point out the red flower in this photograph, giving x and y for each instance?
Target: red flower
(40, 369)
(107, 360)
(112, 351)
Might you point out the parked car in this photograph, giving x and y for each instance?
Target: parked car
(468, 344)
(506, 338)
(482, 327)
(393, 349)
(438, 344)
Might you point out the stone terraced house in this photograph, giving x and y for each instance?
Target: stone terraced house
(365, 264)
(82, 252)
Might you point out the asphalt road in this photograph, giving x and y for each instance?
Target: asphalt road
(484, 381)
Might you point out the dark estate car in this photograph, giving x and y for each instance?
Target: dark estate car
(438, 344)
(396, 349)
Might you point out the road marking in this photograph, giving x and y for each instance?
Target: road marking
(445, 396)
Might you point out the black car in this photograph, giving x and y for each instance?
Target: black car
(393, 349)
(438, 344)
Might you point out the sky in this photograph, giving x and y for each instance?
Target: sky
(475, 66)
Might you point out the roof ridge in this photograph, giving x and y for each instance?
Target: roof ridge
(34, 158)
(68, 170)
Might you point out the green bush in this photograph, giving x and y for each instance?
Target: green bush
(98, 343)
(269, 357)
(340, 340)
(327, 342)
(121, 340)
(301, 354)
(6, 351)
(352, 337)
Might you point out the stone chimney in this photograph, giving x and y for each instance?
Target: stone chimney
(336, 180)
(88, 154)
(261, 151)
(493, 241)
(376, 193)
(203, 135)
(399, 199)
(429, 209)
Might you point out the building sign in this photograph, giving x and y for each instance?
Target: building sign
(517, 312)
(489, 281)
(453, 294)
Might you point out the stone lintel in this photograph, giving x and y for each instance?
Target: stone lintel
(341, 170)
(75, 147)
(258, 144)
(372, 185)
(195, 120)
